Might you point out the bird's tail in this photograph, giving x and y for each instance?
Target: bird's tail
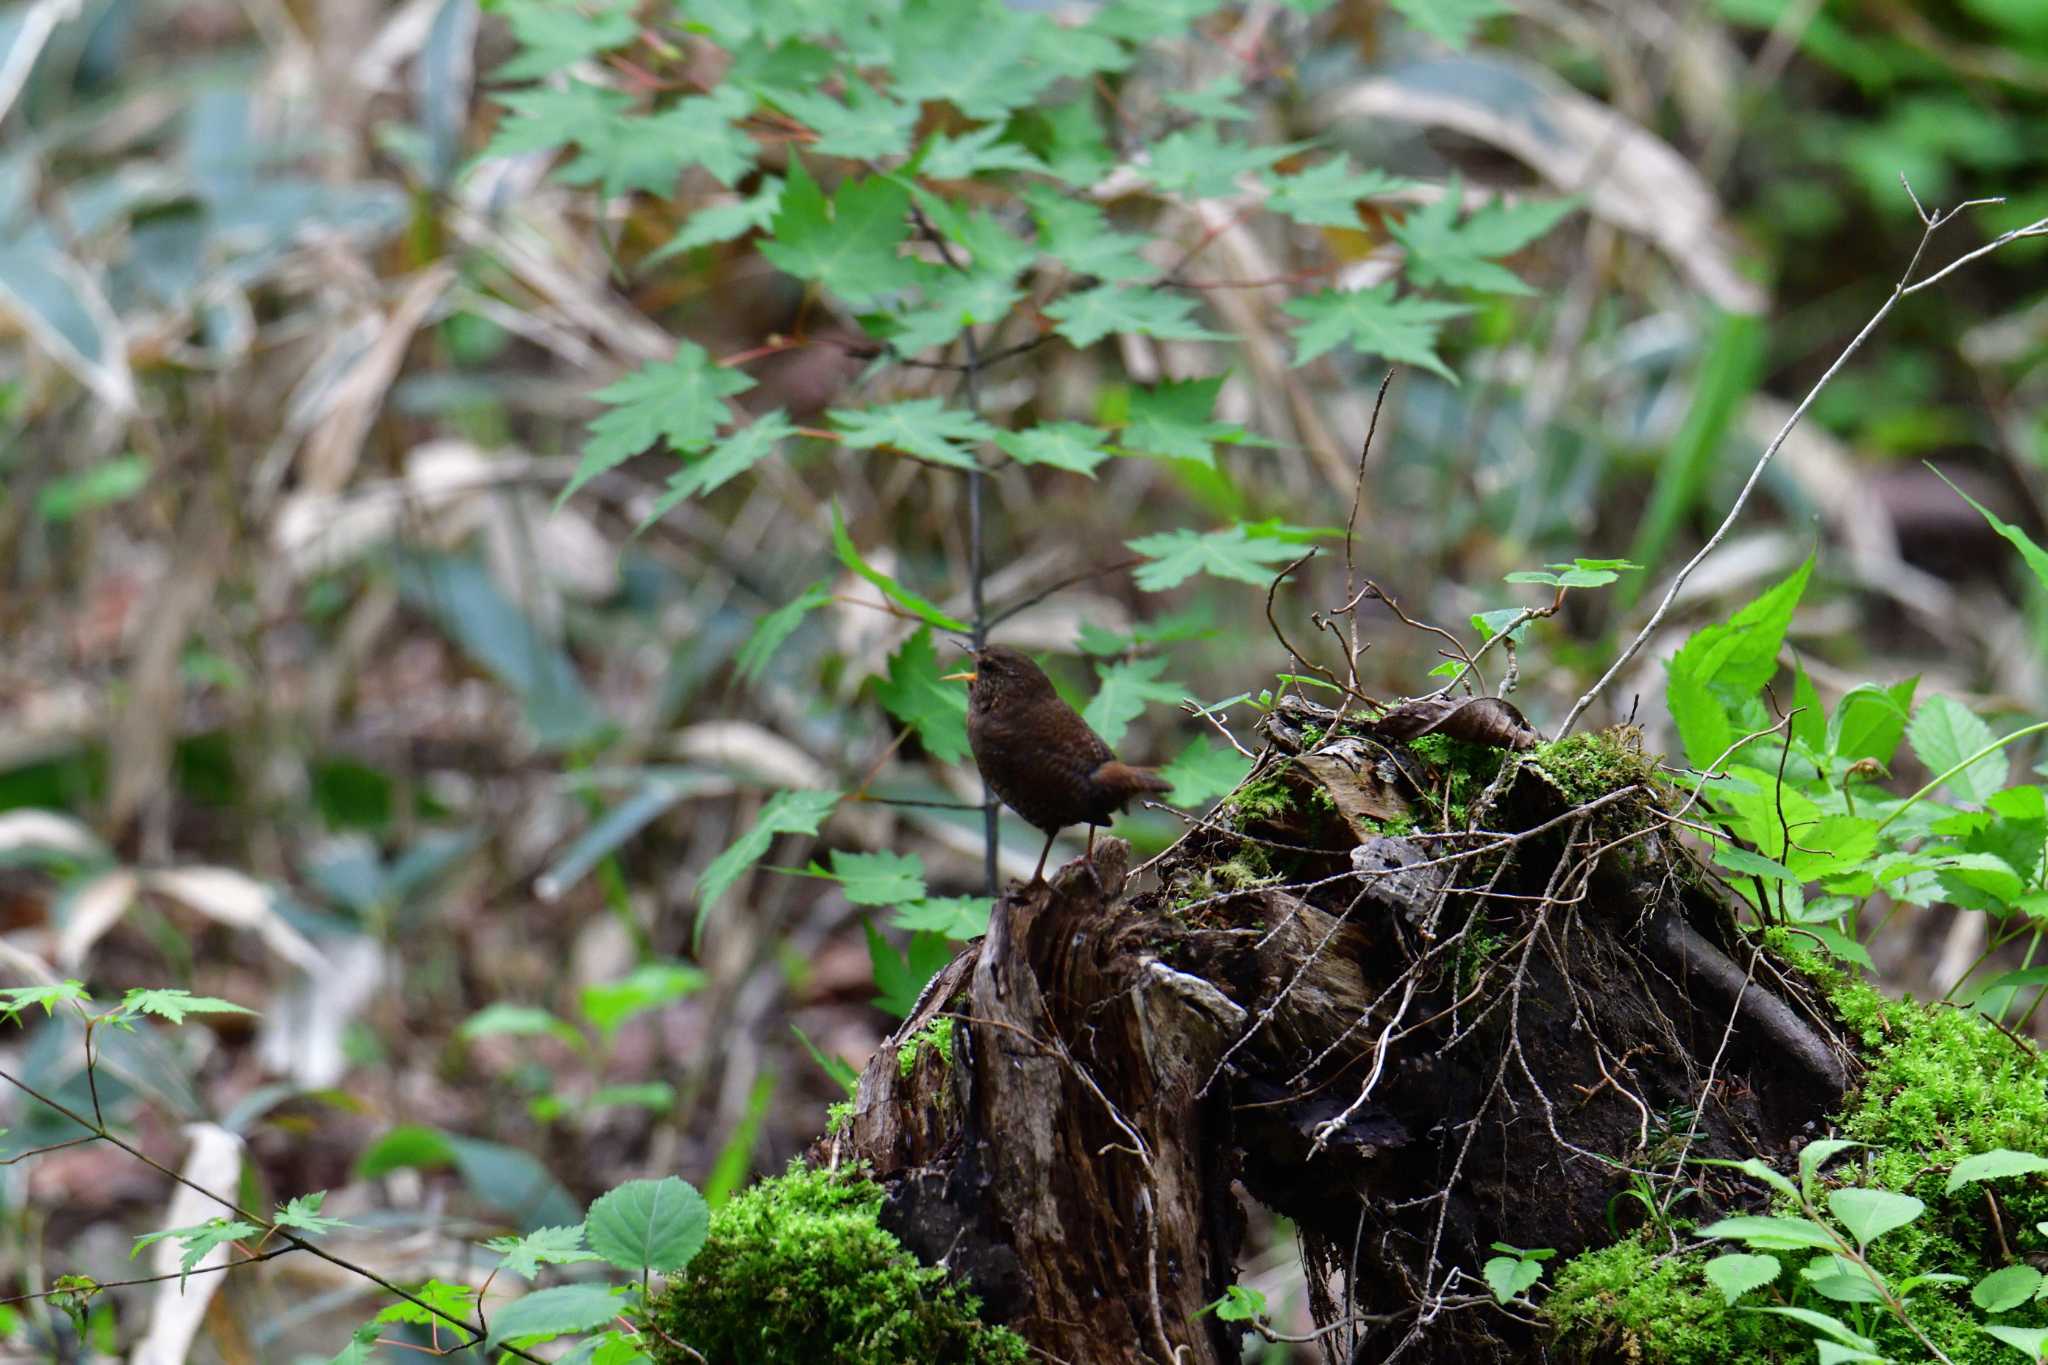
(1129, 781)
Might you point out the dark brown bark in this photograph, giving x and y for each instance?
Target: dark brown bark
(1412, 1047)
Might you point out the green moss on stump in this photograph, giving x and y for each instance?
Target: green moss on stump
(937, 1036)
(1585, 767)
(796, 1271)
(1942, 1084)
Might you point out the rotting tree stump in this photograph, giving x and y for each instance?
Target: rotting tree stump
(1411, 1045)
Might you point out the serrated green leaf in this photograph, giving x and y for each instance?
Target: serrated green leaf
(865, 126)
(524, 1256)
(1444, 251)
(842, 545)
(657, 1225)
(882, 878)
(976, 152)
(1233, 553)
(924, 427)
(196, 1241)
(985, 59)
(1089, 316)
(551, 35)
(848, 243)
(1373, 322)
(302, 1214)
(1203, 771)
(1069, 139)
(547, 117)
(772, 630)
(1216, 100)
(787, 812)
(725, 460)
(954, 917)
(1064, 445)
(723, 221)
(1077, 234)
(915, 693)
(172, 1006)
(1736, 1273)
(1944, 732)
(1328, 194)
(1125, 689)
(1173, 420)
(680, 401)
(651, 151)
(900, 979)
(438, 1302)
(1198, 163)
(549, 1313)
(15, 999)
(1722, 666)
(1452, 21)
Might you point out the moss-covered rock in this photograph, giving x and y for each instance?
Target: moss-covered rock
(796, 1271)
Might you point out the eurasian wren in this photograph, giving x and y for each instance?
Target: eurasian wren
(1038, 755)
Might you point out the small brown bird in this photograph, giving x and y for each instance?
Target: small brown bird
(1037, 753)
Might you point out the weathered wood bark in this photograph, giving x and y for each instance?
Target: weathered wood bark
(1412, 1047)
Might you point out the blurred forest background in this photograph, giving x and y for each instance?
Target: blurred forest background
(319, 697)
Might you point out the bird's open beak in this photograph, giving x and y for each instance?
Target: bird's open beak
(958, 677)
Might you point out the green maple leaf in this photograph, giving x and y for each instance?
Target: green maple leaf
(1328, 194)
(787, 812)
(1442, 250)
(866, 126)
(524, 1256)
(1126, 688)
(1451, 20)
(847, 243)
(725, 460)
(915, 693)
(1069, 139)
(1077, 234)
(1244, 553)
(650, 151)
(1204, 770)
(722, 222)
(1216, 100)
(1173, 420)
(1065, 445)
(878, 878)
(900, 979)
(454, 1300)
(1093, 314)
(990, 247)
(680, 400)
(955, 917)
(303, 1215)
(978, 57)
(552, 35)
(1198, 163)
(198, 1239)
(1374, 322)
(946, 157)
(946, 304)
(545, 118)
(772, 630)
(172, 1006)
(924, 427)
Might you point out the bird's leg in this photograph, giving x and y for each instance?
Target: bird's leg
(1038, 875)
(1090, 854)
